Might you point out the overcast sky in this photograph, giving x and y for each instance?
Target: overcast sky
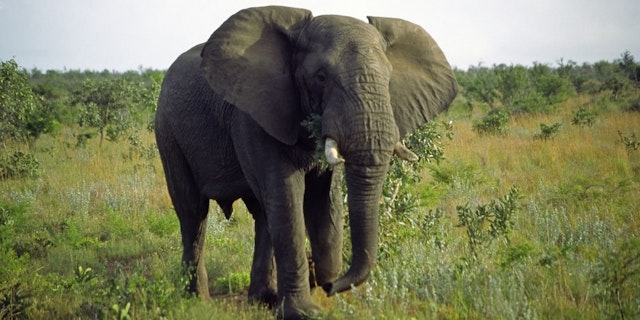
(128, 34)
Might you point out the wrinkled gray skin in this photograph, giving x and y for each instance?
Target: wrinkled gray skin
(228, 128)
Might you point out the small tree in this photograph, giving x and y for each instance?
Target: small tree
(109, 105)
(552, 86)
(480, 85)
(512, 85)
(630, 67)
(22, 117)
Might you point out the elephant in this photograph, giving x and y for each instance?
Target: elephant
(228, 128)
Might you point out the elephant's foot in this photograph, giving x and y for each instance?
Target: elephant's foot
(201, 291)
(293, 309)
(198, 284)
(263, 295)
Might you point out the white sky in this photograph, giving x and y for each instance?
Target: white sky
(128, 34)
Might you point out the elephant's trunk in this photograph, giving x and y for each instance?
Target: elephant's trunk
(364, 184)
(366, 133)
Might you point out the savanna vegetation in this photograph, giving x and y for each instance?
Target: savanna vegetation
(526, 204)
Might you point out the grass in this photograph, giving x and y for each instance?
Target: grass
(95, 233)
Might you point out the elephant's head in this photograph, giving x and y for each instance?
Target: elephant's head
(372, 83)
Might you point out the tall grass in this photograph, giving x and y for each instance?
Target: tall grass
(95, 235)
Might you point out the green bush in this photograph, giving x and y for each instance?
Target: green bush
(634, 105)
(489, 221)
(400, 201)
(631, 142)
(617, 279)
(18, 165)
(12, 220)
(14, 300)
(494, 123)
(514, 254)
(547, 132)
(584, 117)
(15, 295)
(233, 283)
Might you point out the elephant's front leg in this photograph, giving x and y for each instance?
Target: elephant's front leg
(262, 288)
(278, 183)
(323, 212)
(283, 203)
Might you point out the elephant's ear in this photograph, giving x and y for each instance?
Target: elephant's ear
(248, 62)
(422, 83)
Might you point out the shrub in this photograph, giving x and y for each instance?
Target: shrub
(584, 117)
(138, 148)
(82, 138)
(12, 219)
(494, 123)
(634, 105)
(618, 277)
(399, 198)
(631, 142)
(547, 132)
(489, 221)
(15, 296)
(18, 165)
(514, 254)
(233, 283)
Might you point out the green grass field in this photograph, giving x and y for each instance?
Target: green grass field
(94, 235)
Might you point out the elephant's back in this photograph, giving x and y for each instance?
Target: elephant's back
(184, 85)
(186, 100)
(191, 118)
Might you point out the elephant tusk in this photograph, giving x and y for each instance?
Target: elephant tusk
(331, 152)
(404, 153)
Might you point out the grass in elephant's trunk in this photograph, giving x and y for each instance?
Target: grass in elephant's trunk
(364, 184)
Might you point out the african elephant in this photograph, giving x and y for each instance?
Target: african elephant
(228, 127)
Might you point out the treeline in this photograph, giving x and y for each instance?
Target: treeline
(112, 105)
(505, 91)
(104, 104)
(542, 88)
(108, 105)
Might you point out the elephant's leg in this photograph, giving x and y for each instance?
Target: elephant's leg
(193, 226)
(283, 202)
(191, 209)
(278, 184)
(324, 221)
(262, 288)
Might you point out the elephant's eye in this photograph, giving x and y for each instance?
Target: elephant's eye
(321, 77)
